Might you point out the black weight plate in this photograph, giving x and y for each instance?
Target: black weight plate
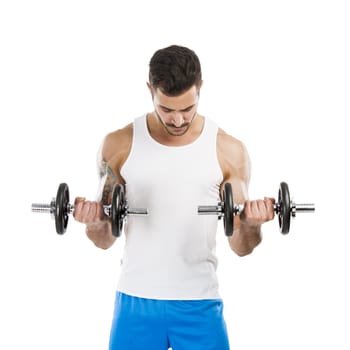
(284, 214)
(61, 214)
(228, 209)
(117, 210)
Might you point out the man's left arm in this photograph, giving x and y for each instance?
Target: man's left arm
(235, 164)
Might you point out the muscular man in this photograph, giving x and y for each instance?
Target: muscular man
(170, 161)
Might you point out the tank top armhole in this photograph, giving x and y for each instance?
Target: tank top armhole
(125, 164)
(214, 129)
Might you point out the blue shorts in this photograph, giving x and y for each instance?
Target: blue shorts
(149, 324)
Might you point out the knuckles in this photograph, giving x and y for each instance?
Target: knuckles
(87, 211)
(258, 211)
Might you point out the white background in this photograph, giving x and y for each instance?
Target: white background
(276, 75)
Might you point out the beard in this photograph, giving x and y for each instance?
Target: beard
(174, 130)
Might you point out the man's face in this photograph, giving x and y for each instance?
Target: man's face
(176, 113)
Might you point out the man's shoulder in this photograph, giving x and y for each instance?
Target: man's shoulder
(233, 157)
(119, 134)
(229, 142)
(117, 142)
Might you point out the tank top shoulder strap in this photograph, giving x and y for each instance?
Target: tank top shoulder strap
(140, 128)
(209, 133)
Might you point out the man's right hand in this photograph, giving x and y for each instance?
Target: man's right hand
(88, 211)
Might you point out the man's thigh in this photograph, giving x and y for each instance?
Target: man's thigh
(138, 324)
(197, 325)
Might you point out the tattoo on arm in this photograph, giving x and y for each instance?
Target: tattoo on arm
(110, 173)
(110, 181)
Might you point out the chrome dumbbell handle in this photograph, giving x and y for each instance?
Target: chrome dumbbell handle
(211, 209)
(50, 208)
(43, 207)
(136, 211)
(297, 208)
(302, 208)
(219, 209)
(107, 209)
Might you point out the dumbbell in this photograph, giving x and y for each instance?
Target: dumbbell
(285, 208)
(60, 208)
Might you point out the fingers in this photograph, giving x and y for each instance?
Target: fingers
(87, 211)
(259, 211)
(270, 199)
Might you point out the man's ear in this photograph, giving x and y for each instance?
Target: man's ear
(200, 86)
(150, 88)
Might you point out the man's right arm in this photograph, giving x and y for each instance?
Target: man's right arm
(113, 153)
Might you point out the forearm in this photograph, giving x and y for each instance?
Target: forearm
(245, 239)
(100, 233)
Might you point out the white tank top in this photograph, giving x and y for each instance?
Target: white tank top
(170, 254)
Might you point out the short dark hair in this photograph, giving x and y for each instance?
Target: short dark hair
(174, 70)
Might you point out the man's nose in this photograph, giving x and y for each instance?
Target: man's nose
(178, 119)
